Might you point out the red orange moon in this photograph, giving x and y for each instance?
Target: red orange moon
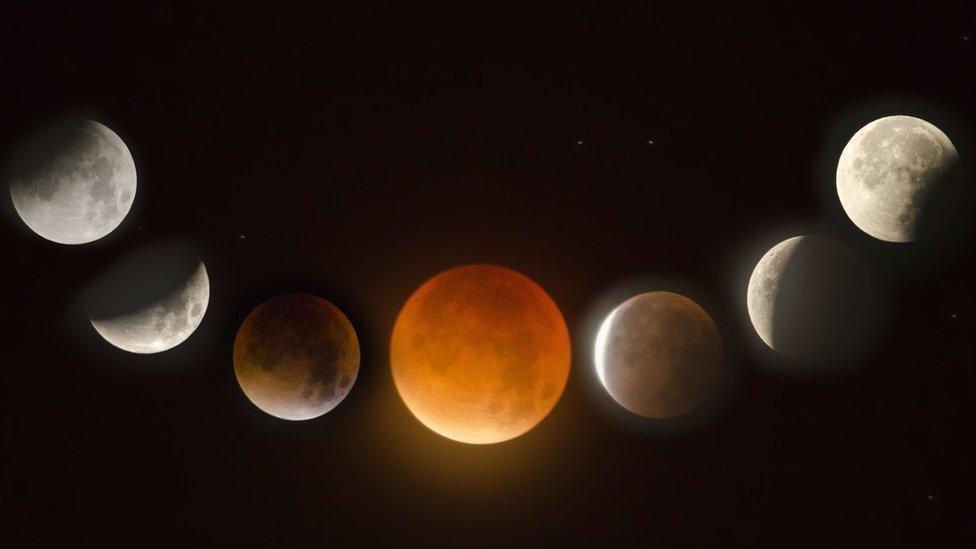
(480, 354)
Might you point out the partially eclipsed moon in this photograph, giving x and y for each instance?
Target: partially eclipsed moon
(658, 354)
(810, 298)
(296, 356)
(889, 174)
(151, 301)
(480, 354)
(73, 182)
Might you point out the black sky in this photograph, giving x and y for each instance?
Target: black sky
(355, 149)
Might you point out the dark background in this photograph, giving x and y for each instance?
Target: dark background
(362, 147)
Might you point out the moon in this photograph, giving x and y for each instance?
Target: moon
(658, 354)
(480, 354)
(296, 356)
(73, 182)
(810, 298)
(151, 301)
(890, 172)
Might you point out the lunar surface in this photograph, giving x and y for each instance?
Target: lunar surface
(480, 354)
(889, 174)
(658, 354)
(152, 301)
(73, 182)
(296, 356)
(810, 298)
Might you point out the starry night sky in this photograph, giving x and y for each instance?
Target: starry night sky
(354, 149)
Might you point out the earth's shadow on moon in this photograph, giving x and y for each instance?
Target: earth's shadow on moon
(946, 223)
(141, 278)
(723, 392)
(231, 394)
(740, 261)
(22, 151)
(826, 308)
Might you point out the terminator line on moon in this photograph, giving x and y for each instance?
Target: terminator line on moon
(151, 300)
(658, 354)
(73, 182)
(809, 298)
(889, 172)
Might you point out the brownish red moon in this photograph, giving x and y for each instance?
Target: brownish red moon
(296, 356)
(480, 354)
(658, 354)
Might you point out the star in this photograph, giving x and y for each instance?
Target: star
(650, 141)
(579, 141)
(953, 316)
(242, 236)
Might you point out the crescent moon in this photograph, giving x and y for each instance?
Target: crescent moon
(658, 354)
(151, 301)
(810, 298)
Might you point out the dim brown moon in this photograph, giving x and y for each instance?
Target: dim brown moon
(296, 356)
(658, 354)
(480, 354)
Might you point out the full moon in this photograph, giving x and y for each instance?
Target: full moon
(810, 298)
(73, 182)
(296, 356)
(658, 354)
(480, 354)
(889, 173)
(151, 301)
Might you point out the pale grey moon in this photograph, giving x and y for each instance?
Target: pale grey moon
(150, 301)
(810, 298)
(658, 354)
(889, 171)
(73, 182)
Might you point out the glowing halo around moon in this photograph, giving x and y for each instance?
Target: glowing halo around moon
(480, 354)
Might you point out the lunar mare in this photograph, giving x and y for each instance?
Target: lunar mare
(296, 356)
(151, 300)
(889, 173)
(658, 354)
(73, 182)
(480, 354)
(809, 298)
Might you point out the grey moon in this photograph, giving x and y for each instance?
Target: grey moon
(151, 300)
(296, 356)
(658, 354)
(889, 173)
(72, 182)
(810, 298)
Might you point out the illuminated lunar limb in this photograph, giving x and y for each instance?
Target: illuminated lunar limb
(658, 354)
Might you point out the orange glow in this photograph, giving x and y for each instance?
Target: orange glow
(480, 354)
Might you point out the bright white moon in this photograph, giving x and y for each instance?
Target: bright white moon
(73, 182)
(888, 173)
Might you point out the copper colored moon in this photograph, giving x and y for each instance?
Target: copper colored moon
(658, 354)
(296, 356)
(480, 354)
